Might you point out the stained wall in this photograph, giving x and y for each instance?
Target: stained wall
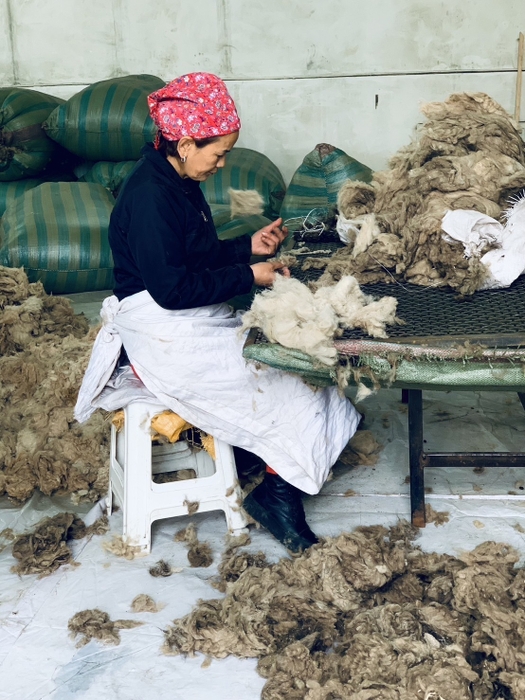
(348, 72)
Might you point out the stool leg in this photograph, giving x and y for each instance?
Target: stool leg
(137, 477)
(232, 499)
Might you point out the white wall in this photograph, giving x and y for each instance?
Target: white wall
(349, 72)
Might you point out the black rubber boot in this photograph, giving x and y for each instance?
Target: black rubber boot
(278, 506)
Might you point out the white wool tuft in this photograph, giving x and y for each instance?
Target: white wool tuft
(245, 202)
(292, 315)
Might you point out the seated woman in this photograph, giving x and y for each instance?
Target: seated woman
(172, 280)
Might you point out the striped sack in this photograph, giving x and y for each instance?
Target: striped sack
(12, 190)
(247, 170)
(109, 175)
(316, 182)
(58, 232)
(25, 149)
(108, 120)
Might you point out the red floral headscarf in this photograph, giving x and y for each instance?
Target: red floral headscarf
(197, 105)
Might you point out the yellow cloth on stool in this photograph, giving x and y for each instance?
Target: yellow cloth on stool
(169, 425)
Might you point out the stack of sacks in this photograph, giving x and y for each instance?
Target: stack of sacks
(58, 232)
(27, 156)
(468, 155)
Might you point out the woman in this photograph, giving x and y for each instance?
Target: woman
(172, 279)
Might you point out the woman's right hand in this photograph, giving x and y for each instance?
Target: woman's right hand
(264, 272)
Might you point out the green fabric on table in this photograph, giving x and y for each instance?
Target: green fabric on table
(246, 169)
(415, 374)
(58, 232)
(317, 181)
(108, 120)
(25, 149)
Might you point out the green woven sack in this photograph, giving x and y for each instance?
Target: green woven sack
(247, 170)
(109, 175)
(108, 120)
(25, 149)
(221, 214)
(316, 182)
(12, 190)
(58, 232)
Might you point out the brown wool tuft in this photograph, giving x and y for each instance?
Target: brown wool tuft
(97, 624)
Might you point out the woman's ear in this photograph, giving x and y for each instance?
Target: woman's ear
(184, 147)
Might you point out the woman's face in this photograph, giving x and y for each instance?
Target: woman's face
(203, 162)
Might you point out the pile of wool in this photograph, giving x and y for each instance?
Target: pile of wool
(369, 616)
(291, 314)
(468, 155)
(45, 548)
(97, 624)
(44, 350)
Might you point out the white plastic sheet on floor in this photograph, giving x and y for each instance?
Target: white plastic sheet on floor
(38, 659)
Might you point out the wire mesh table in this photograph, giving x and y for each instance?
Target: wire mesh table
(445, 343)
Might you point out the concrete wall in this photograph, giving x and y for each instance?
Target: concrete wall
(348, 72)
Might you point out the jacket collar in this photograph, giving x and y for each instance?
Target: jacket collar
(164, 166)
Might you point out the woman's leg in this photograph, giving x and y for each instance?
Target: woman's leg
(278, 506)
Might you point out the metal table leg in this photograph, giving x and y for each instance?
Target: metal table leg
(415, 443)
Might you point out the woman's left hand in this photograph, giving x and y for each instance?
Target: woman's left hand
(268, 239)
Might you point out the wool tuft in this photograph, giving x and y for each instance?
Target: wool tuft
(245, 202)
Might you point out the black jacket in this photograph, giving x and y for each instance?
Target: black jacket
(163, 239)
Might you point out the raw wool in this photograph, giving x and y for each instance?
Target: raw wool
(144, 603)
(97, 624)
(162, 568)
(192, 506)
(438, 517)
(199, 553)
(119, 548)
(6, 537)
(45, 549)
(368, 615)
(234, 563)
(468, 155)
(363, 450)
(291, 314)
(44, 350)
(245, 202)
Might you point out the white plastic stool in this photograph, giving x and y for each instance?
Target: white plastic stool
(133, 461)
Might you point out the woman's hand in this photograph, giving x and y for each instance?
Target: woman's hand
(264, 273)
(268, 239)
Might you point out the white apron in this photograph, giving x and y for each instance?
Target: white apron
(191, 361)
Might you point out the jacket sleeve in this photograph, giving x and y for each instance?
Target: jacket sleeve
(237, 250)
(157, 243)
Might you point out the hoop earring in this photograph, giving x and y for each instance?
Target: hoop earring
(183, 159)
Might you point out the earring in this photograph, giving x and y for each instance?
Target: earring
(183, 159)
